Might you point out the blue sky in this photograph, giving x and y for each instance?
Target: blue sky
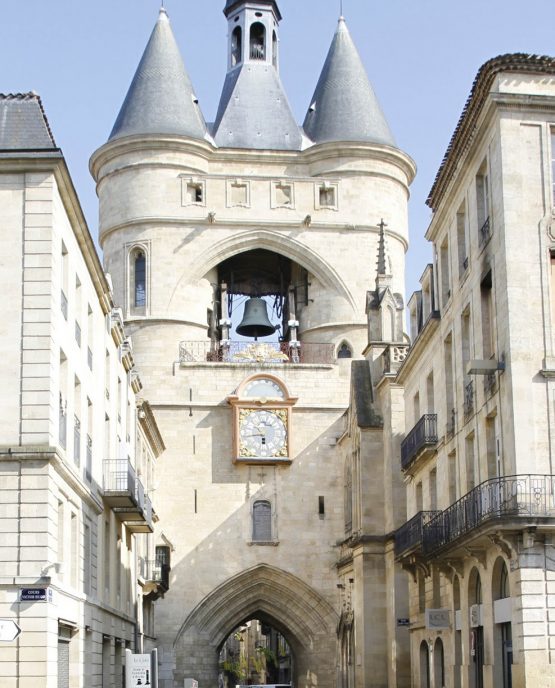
(421, 57)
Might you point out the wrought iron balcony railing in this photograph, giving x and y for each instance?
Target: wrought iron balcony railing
(422, 436)
(510, 497)
(120, 481)
(468, 404)
(155, 571)
(88, 460)
(256, 352)
(484, 233)
(410, 535)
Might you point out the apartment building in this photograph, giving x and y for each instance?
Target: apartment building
(478, 394)
(78, 443)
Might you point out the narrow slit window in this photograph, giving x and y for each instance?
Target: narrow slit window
(140, 280)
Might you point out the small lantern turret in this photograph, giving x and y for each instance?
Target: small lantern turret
(253, 32)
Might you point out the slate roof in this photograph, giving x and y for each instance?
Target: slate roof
(23, 123)
(254, 111)
(160, 99)
(344, 106)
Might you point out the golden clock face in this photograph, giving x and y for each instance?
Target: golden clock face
(263, 433)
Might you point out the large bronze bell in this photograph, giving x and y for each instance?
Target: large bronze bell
(255, 321)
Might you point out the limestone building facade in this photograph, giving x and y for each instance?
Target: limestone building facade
(197, 219)
(78, 442)
(379, 503)
(478, 397)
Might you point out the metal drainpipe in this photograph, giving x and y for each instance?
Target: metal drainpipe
(18, 605)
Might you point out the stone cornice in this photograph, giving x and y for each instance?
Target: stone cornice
(466, 126)
(148, 424)
(339, 150)
(420, 343)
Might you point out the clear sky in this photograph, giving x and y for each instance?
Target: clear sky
(421, 57)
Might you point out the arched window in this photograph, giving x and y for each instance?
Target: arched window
(236, 46)
(344, 351)
(138, 262)
(258, 41)
(262, 521)
(439, 664)
(424, 665)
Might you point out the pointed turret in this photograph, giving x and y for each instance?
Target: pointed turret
(344, 106)
(160, 99)
(254, 111)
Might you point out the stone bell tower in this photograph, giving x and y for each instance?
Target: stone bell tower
(195, 222)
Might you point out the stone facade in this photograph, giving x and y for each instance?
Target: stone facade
(191, 206)
(69, 435)
(478, 399)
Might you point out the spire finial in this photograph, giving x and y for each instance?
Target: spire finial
(341, 10)
(382, 267)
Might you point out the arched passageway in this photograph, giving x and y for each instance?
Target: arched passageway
(276, 598)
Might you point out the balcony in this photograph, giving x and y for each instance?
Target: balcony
(120, 484)
(156, 576)
(468, 403)
(256, 352)
(409, 537)
(484, 234)
(526, 499)
(420, 442)
(138, 519)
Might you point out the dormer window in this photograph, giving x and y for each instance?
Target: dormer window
(236, 46)
(258, 41)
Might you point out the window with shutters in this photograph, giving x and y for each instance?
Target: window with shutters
(262, 521)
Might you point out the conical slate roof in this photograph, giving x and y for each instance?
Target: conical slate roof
(254, 111)
(160, 99)
(344, 106)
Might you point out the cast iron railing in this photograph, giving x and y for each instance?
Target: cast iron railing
(424, 434)
(485, 233)
(256, 352)
(119, 476)
(153, 570)
(76, 441)
(468, 404)
(88, 460)
(410, 535)
(516, 496)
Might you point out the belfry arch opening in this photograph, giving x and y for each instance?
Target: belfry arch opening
(259, 274)
(255, 653)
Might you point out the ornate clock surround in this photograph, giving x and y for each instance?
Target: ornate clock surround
(262, 412)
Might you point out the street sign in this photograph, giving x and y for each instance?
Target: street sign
(9, 630)
(35, 595)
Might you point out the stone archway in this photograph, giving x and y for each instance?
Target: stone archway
(275, 596)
